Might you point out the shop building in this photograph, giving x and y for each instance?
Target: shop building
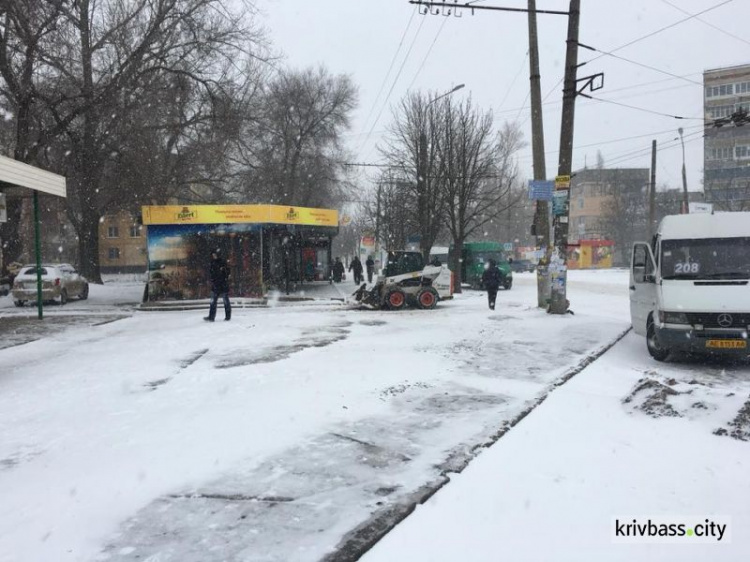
(266, 246)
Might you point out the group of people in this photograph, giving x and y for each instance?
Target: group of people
(219, 277)
(356, 268)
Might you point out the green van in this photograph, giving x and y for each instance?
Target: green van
(475, 257)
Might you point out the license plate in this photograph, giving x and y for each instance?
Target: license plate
(726, 344)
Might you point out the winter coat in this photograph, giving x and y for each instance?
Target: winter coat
(356, 266)
(492, 277)
(370, 264)
(338, 269)
(218, 273)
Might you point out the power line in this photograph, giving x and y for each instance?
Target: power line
(709, 24)
(642, 65)
(395, 81)
(617, 140)
(390, 68)
(633, 42)
(633, 154)
(719, 5)
(668, 147)
(643, 109)
(429, 51)
(515, 78)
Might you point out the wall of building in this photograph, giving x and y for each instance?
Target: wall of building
(122, 244)
(727, 148)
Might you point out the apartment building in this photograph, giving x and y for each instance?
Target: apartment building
(122, 244)
(726, 178)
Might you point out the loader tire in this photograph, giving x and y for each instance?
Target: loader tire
(427, 298)
(395, 299)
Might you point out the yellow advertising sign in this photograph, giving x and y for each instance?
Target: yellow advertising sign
(302, 215)
(231, 214)
(562, 182)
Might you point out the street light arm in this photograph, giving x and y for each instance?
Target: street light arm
(441, 96)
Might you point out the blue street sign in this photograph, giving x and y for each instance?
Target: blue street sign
(541, 190)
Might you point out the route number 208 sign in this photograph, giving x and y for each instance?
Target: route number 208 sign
(687, 267)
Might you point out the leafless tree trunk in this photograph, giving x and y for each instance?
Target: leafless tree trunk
(479, 172)
(412, 151)
(24, 27)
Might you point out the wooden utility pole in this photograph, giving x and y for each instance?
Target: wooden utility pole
(558, 263)
(652, 194)
(541, 214)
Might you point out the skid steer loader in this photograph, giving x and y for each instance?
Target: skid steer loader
(406, 280)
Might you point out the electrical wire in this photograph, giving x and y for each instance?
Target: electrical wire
(603, 100)
(429, 52)
(720, 30)
(668, 147)
(633, 42)
(642, 65)
(395, 81)
(390, 68)
(515, 79)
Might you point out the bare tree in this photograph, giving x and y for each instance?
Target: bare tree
(412, 151)
(100, 66)
(24, 29)
(291, 149)
(479, 172)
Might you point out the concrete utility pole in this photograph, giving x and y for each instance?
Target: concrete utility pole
(684, 175)
(652, 194)
(541, 214)
(558, 263)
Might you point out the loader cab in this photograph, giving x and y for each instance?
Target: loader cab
(400, 263)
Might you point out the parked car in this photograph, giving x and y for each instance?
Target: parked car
(519, 266)
(59, 283)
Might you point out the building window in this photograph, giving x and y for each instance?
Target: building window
(580, 202)
(721, 111)
(722, 153)
(113, 232)
(742, 152)
(114, 253)
(135, 231)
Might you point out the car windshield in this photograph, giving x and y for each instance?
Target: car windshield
(713, 258)
(484, 257)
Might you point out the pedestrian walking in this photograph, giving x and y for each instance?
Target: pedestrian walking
(491, 280)
(338, 270)
(218, 274)
(370, 264)
(356, 268)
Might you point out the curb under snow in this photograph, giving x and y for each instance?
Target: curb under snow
(357, 542)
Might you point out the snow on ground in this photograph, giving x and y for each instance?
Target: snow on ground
(625, 438)
(269, 437)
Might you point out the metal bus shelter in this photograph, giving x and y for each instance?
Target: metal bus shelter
(16, 179)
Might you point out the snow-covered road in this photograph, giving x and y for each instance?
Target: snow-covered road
(271, 437)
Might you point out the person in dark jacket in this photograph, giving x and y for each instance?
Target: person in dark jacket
(370, 264)
(356, 268)
(218, 274)
(338, 270)
(491, 279)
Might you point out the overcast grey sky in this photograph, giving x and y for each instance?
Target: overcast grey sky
(488, 53)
